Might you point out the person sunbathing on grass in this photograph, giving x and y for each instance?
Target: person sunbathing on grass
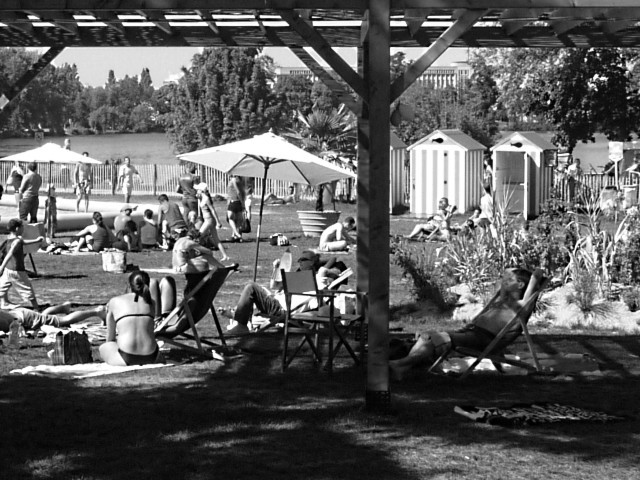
(517, 287)
(130, 323)
(32, 320)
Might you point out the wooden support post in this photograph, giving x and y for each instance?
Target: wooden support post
(373, 202)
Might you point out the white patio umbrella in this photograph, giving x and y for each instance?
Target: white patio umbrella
(268, 155)
(51, 152)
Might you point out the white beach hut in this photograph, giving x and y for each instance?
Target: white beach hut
(523, 165)
(397, 156)
(445, 163)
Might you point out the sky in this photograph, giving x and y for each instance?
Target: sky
(165, 63)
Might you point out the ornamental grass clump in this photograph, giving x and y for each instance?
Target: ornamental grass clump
(428, 270)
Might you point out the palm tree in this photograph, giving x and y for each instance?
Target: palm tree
(330, 134)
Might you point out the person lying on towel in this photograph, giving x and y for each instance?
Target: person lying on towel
(56, 316)
(517, 287)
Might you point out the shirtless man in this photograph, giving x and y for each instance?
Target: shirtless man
(336, 238)
(83, 182)
(517, 288)
(125, 178)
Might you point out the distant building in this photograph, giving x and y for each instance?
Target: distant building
(454, 75)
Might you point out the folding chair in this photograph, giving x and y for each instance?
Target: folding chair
(495, 351)
(313, 324)
(197, 301)
(272, 322)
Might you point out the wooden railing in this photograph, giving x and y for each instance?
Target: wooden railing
(163, 178)
(589, 185)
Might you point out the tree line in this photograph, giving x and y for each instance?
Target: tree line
(228, 94)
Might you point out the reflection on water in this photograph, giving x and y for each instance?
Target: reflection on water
(141, 147)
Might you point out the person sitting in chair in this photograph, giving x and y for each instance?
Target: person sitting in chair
(438, 225)
(273, 305)
(517, 287)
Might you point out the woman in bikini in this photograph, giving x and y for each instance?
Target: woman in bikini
(130, 322)
(209, 215)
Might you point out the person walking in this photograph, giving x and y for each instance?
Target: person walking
(125, 178)
(235, 206)
(29, 189)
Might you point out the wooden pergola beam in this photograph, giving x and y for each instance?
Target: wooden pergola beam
(322, 48)
(326, 78)
(182, 5)
(437, 48)
(226, 38)
(28, 76)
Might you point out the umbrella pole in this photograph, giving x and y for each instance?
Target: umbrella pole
(264, 186)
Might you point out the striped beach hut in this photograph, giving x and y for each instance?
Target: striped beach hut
(397, 155)
(445, 163)
(523, 165)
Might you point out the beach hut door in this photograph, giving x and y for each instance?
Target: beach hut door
(510, 172)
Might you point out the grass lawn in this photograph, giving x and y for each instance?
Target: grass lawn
(244, 419)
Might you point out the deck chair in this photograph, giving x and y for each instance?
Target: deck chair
(495, 351)
(272, 322)
(312, 325)
(197, 301)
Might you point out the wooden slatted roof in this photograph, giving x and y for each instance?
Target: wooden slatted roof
(414, 23)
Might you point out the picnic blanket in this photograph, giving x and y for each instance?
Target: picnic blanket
(525, 414)
(81, 370)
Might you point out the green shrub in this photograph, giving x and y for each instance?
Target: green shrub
(631, 298)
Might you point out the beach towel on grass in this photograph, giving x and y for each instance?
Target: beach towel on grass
(524, 414)
(81, 370)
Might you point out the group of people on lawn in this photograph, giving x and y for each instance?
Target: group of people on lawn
(131, 318)
(438, 226)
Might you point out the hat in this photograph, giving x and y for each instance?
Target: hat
(126, 206)
(308, 255)
(201, 187)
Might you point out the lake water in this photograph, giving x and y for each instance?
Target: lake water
(141, 147)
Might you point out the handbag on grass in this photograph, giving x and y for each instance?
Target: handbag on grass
(71, 348)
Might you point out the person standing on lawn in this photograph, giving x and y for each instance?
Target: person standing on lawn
(29, 189)
(235, 206)
(12, 270)
(125, 178)
(170, 221)
(83, 182)
(186, 186)
(209, 216)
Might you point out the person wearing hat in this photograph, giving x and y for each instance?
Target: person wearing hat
(125, 216)
(208, 212)
(170, 221)
(273, 305)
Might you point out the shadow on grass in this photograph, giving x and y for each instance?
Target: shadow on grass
(245, 419)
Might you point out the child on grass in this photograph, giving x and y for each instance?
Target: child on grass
(12, 270)
(51, 214)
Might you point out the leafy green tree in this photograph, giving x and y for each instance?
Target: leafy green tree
(589, 91)
(222, 97)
